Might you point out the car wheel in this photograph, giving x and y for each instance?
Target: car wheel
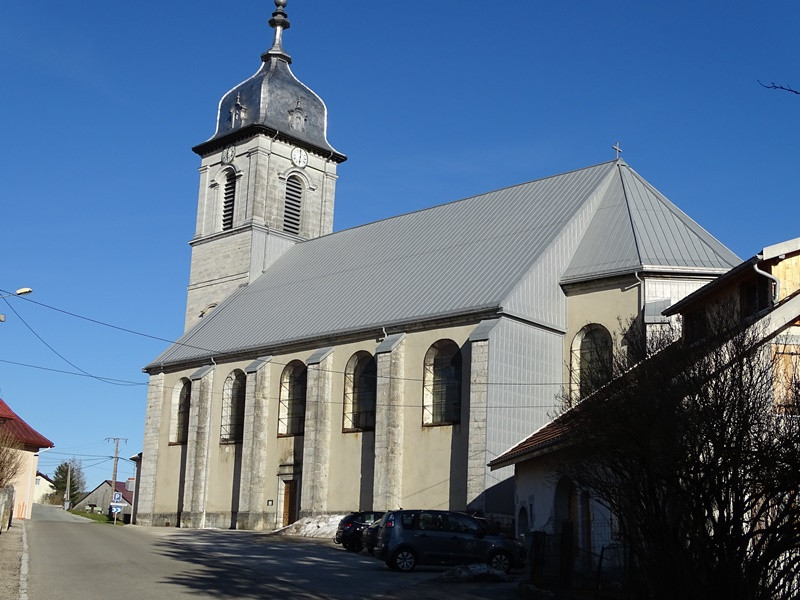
(500, 561)
(403, 560)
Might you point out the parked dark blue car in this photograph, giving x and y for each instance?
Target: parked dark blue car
(407, 538)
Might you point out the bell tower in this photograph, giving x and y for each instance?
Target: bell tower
(267, 178)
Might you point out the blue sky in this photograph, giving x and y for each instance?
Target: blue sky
(431, 102)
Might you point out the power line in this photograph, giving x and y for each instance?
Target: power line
(113, 381)
(61, 356)
(65, 372)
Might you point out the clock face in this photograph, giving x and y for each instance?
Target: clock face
(299, 157)
(228, 154)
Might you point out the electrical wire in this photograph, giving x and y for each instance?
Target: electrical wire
(141, 334)
(61, 356)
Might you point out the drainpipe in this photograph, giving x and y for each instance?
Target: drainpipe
(775, 290)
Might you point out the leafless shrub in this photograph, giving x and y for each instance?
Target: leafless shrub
(10, 458)
(697, 452)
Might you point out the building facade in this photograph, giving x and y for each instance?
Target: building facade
(25, 442)
(384, 365)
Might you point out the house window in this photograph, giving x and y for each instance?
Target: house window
(359, 393)
(229, 196)
(292, 404)
(181, 400)
(232, 423)
(292, 205)
(592, 360)
(442, 384)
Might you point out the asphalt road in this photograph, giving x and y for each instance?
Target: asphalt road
(72, 557)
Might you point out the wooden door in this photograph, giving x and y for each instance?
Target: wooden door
(289, 502)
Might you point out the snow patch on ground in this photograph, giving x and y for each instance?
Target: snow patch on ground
(323, 526)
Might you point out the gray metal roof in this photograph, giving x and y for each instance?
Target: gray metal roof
(637, 228)
(453, 259)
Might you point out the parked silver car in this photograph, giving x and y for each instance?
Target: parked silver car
(407, 538)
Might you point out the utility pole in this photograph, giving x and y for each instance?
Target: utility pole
(66, 491)
(114, 472)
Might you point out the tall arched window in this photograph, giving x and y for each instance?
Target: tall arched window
(232, 422)
(292, 404)
(293, 204)
(442, 384)
(592, 360)
(359, 393)
(228, 199)
(181, 400)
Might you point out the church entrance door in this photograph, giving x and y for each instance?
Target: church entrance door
(289, 502)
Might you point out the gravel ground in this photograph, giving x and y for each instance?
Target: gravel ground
(10, 560)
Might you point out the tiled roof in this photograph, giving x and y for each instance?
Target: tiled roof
(127, 495)
(19, 430)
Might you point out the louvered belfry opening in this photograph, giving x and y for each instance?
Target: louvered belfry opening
(292, 205)
(227, 203)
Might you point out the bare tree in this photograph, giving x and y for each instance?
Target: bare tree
(774, 86)
(10, 458)
(701, 466)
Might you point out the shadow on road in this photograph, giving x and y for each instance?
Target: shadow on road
(250, 565)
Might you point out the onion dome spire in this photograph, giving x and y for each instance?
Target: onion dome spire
(278, 22)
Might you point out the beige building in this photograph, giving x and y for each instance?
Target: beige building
(43, 487)
(384, 365)
(27, 443)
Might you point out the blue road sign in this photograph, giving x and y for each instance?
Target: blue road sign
(116, 509)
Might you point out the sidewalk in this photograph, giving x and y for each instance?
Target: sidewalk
(10, 560)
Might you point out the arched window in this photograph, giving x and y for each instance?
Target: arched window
(228, 199)
(232, 423)
(292, 406)
(442, 384)
(592, 360)
(359, 392)
(293, 204)
(181, 400)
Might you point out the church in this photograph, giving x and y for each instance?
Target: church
(386, 365)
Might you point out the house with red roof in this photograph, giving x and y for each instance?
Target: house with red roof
(100, 498)
(28, 442)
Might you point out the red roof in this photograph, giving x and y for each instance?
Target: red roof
(546, 437)
(19, 430)
(127, 494)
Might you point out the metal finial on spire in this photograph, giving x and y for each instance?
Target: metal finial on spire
(617, 149)
(278, 22)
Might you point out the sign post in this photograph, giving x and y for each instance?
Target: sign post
(116, 505)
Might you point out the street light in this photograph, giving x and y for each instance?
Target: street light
(19, 292)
